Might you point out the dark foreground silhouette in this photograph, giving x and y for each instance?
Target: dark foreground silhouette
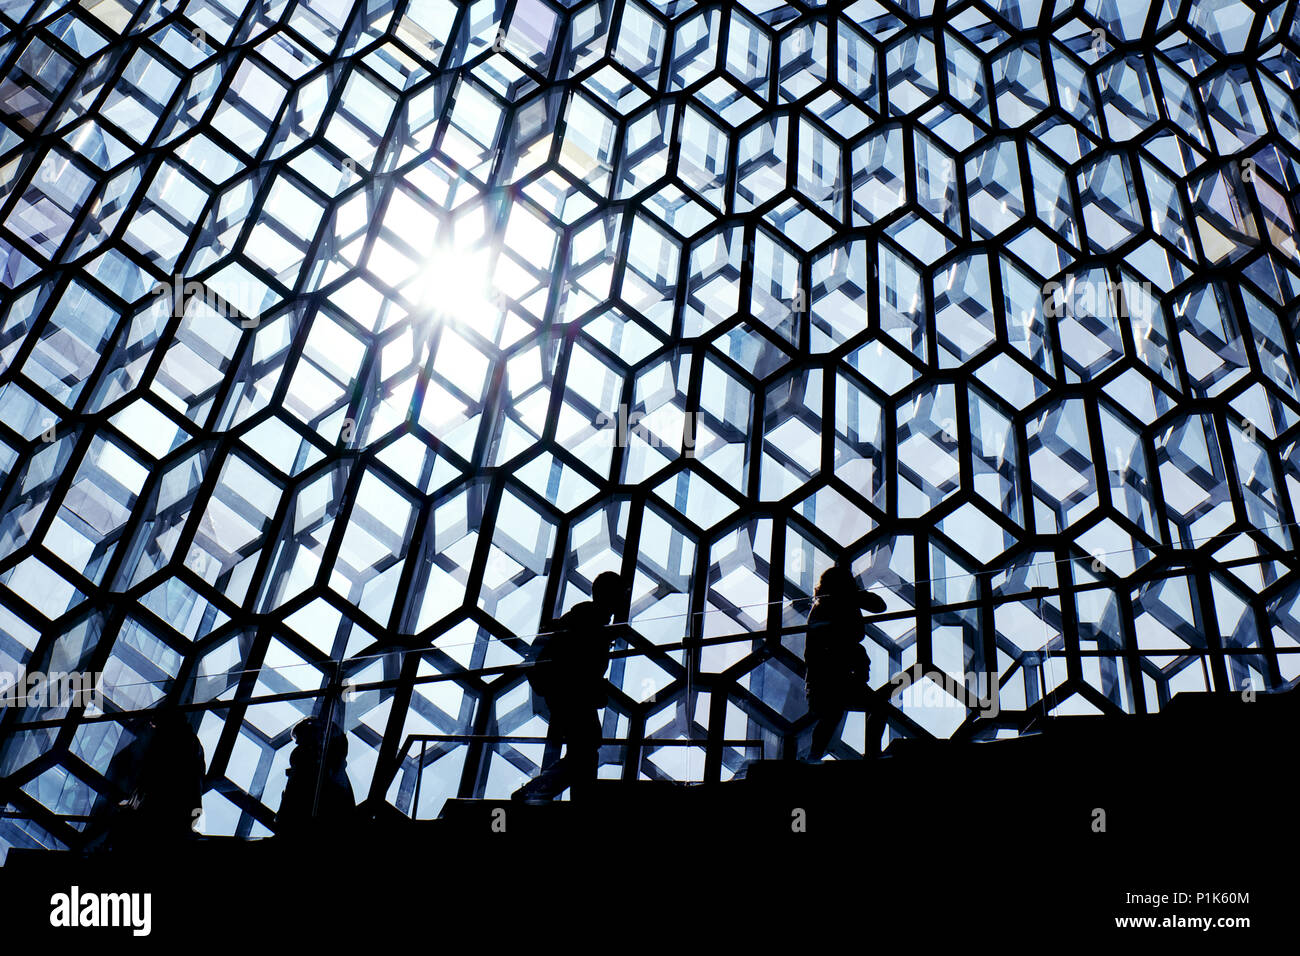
(166, 764)
(568, 679)
(318, 791)
(837, 663)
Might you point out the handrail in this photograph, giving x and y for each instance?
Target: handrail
(1034, 594)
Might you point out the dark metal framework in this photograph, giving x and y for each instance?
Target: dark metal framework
(344, 342)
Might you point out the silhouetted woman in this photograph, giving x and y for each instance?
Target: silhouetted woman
(836, 662)
(318, 791)
(167, 763)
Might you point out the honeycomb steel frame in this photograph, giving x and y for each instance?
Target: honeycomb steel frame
(344, 342)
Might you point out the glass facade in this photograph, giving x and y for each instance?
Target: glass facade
(344, 342)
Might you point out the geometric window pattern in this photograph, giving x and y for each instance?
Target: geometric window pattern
(344, 342)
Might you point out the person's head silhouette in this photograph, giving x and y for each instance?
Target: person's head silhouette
(607, 593)
(838, 583)
(309, 733)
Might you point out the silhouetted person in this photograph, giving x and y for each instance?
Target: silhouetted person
(568, 674)
(167, 764)
(318, 763)
(836, 662)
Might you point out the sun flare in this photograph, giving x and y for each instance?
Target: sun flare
(456, 284)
